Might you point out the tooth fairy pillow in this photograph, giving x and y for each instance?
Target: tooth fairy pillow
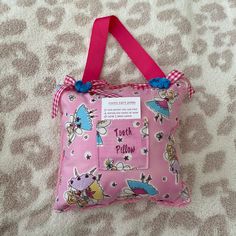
(117, 141)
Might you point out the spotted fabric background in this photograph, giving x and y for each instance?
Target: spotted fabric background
(43, 40)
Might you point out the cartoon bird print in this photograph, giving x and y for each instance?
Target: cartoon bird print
(84, 189)
(79, 122)
(109, 164)
(139, 188)
(171, 156)
(102, 130)
(161, 105)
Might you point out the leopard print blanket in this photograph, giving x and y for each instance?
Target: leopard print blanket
(43, 40)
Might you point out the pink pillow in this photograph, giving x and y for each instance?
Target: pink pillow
(117, 142)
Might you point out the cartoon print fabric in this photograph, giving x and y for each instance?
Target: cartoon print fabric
(161, 105)
(121, 143)
(104, 161)
(139, 188)
(79, 122)
(84, 189)
(171, 156)
(102, 130)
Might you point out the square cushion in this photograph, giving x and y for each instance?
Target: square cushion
(110, 160)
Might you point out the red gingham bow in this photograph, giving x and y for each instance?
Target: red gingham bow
(175, 75)
(69, 83)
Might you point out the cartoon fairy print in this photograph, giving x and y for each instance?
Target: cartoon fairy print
(109, 164)
(185, 195)
(171, 156)
(80, 121)
(140, 187)
(144, 130)
(85, 189)
(162, 104)
(101, 130)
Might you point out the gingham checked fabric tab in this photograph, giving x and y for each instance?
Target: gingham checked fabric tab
(175, 75)
(69, 83)
(191, 91)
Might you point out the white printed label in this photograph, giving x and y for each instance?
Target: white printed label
(121, 108)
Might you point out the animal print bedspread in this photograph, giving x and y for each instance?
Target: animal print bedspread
(43, 40)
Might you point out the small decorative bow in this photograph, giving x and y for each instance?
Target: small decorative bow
(175, 75)
(161, 83)
(81, 87)
(93, 87)
(171, 78)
